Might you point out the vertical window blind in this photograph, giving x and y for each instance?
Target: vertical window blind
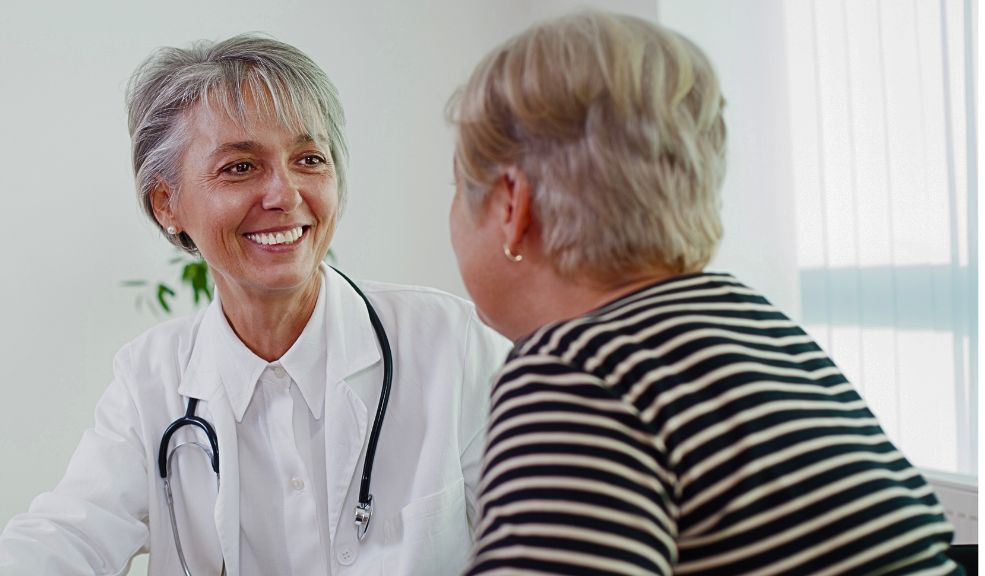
(882, 96)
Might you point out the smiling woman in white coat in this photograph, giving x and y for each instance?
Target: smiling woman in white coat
(239, 155)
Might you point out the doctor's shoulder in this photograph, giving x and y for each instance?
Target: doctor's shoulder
(159, 354)
(436, 310)
(439, 327)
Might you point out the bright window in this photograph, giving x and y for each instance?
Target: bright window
(882, 93)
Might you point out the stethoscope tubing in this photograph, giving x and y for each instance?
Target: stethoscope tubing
(364, 506)
(365, 498)
(189, 419)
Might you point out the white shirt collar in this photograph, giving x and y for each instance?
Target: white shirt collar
(217, 359)
(305, 362)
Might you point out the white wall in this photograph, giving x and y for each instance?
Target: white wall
(409, 62)
(71, 230)
(747, 45)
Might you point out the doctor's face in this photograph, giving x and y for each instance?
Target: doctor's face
(259, 201)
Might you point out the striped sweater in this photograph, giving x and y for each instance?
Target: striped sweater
(692, 428)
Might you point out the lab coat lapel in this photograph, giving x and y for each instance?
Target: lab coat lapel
(227, 504)
(352, 348)
(201, 380)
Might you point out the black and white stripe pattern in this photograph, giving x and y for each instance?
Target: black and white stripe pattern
(691, 428)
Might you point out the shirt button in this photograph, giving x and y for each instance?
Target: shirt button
(345, 555)
(279, 372)
(297, 484)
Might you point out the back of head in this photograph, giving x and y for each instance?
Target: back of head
(171, 81)
(617, 123)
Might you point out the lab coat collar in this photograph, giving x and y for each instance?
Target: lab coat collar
(200, 377)
(351, 341)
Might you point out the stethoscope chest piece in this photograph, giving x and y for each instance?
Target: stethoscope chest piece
(364, 513)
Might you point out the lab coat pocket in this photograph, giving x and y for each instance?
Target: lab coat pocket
(430, 535)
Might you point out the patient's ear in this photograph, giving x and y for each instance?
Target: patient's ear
(515, 218)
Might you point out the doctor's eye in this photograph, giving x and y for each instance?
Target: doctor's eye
(238, 168)
(313, 160)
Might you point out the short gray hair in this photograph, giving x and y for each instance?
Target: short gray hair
(171, 81)
(617, 124)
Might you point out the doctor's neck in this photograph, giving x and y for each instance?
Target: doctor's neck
(269, 322)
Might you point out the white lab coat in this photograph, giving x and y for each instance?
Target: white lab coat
(110, 504)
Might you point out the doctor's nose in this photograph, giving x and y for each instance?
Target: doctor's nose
(282, 191)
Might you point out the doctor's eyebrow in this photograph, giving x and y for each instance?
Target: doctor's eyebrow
(308, 139)
(253, 146)
(244, 146)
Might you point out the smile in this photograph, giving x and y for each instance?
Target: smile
(277, 238)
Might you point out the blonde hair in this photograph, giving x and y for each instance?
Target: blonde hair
(617, 124)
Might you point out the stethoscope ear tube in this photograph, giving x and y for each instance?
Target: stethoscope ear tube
(189, 419)
(364, 509)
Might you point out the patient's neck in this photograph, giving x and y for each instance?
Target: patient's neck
(549, 297)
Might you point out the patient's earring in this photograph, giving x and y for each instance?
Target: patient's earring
(171, 230)
(513, 257)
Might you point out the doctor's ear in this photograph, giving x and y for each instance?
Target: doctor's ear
(162, 202)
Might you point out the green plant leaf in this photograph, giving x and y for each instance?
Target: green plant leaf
(196, 275)
(163, 291)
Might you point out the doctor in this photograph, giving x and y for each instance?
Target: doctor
(239, 155)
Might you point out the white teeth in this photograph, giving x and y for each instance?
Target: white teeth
(285, 237)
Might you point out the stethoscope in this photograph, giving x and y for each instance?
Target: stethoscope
(364, 508)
